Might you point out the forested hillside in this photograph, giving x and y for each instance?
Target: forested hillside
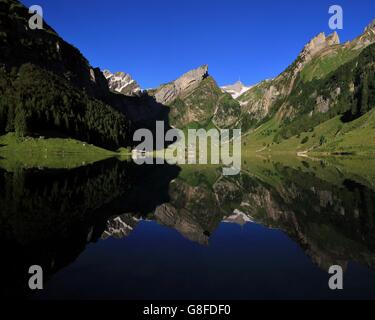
(348, 91)
(48, 88)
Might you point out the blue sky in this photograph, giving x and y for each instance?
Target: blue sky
(158, 40)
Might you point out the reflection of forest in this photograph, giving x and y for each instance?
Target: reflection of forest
(48, 216)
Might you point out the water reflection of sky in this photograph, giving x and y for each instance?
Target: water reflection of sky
(249, 262)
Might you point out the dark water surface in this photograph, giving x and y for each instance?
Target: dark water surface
(115, 230)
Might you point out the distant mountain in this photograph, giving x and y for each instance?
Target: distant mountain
(196, 100)
(122, 82)
(236, 89)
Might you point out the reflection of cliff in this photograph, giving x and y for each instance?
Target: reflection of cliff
(193, 210)
(48, 217)
(333, 223)
(120, 227)
(199, 202)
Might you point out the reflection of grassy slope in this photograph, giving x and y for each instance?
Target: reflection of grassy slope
(333, 221)
(262, 169)
(334, 170)
(198, 175)
(50, 153)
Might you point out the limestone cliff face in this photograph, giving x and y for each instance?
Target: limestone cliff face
(371, 27)
(182, 86)
(367, 38)
(316, 46)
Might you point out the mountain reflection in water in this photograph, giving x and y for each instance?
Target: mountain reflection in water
(294, 221)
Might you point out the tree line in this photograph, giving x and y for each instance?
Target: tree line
(34, 101)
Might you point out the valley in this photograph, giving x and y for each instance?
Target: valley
(111, 212)
(322, 103)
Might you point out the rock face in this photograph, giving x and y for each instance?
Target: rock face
(196, 98)
(183, 85)
(193, 211)
(371, 27)
(122, 82)
(258, 100)
(367, 38)
(318, 44)
(235, 90)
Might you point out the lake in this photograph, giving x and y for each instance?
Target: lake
(116, 230)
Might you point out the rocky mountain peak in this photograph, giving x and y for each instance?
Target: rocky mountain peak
(371, 26)
(191, 78)
(367, 38)
(319, 43)
(236, 89)
(183, 85)
(122, 82)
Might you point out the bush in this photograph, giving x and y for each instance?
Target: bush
(305, 140)
(322, 140)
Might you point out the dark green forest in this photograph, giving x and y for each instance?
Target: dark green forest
(34, 101)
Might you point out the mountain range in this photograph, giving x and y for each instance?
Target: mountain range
(328, 85)
(48, 88)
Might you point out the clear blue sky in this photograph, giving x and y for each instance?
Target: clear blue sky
(158, 40)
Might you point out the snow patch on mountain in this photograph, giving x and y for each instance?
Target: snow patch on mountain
(122, 82)
(236, 90)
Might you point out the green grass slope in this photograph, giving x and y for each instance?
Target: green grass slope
(330, 137)
(54, 153)
(322, 66)
(207, 103)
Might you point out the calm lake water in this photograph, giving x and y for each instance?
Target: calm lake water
(116, 230)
